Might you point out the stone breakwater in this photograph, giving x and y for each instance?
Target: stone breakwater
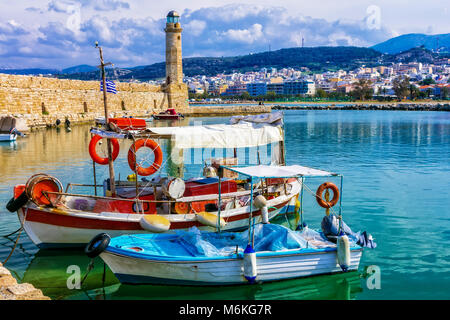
(11, 290)
(227, 111)
(41, 101)
(369, 106)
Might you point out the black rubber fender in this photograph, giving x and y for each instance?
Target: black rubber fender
(15, 204)
(97, 245)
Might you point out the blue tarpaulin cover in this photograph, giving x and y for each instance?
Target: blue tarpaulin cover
(197, 243)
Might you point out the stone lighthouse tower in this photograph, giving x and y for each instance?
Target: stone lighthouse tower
(174, 86)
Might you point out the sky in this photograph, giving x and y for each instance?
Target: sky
(61, 33)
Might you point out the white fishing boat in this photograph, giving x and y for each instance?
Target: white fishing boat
(267, 252)
(55, 218)
(8, 129)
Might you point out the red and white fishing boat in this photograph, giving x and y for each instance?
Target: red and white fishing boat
(169, 114)
(215, 201)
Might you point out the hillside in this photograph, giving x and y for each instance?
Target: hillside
(317, 59)
(30, 72)
(414, 40)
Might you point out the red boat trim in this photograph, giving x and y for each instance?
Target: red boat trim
(63, 220)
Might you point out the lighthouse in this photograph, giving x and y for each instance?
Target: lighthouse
(174, 65)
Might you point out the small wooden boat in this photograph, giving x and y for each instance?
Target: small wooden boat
(266, 252)
(176, 259)
(128, 123)
(54, 218)
(8, 130)
(169, 114)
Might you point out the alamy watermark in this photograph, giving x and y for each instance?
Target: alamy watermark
(373, 17)
(74, 280)
(373, 277)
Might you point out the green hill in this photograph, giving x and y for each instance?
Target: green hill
(317, 59)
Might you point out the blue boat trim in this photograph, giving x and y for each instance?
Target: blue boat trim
(180, 259)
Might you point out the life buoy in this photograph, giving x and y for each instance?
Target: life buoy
(93, 143)
(181, 207)
(155, 166)
(321, 189)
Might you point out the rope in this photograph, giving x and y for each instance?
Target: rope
(88, 269)
(18, 237)
(6, 236)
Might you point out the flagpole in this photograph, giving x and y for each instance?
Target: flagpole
(110, 160)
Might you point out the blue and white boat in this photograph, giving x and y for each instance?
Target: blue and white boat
(265, 252)
(8, 130)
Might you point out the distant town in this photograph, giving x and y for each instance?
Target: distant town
(413, 81)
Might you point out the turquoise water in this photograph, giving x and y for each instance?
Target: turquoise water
(396, 168)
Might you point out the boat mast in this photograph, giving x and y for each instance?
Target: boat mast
(110, 161)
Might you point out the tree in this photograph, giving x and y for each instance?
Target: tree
(245, 96)
(401, 87)
(271, 96)
(413, 92)
(362, 90)
(444, 92)
(427, 82)
(320, 93)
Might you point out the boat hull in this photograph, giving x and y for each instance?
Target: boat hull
(8, 137)
(49, 228)
(228, 271)
(166, 117)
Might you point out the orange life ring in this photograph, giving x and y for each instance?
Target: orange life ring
(156, 165)
(321, 189)
(93, 153)
(181, 207)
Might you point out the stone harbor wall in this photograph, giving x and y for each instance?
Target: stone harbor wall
(42, 100)
(11, 290)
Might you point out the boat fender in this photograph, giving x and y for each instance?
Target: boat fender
(209, 219)
(260, 202)
(265, 214)
(16, 203)
(343, 252)
(250, 269)
(154, 223)
(97, 245)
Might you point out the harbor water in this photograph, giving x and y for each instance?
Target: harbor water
(396, 168)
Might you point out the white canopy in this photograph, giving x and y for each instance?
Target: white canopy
(265, 171)
(239, 135)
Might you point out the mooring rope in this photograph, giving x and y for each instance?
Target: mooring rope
(18, 237)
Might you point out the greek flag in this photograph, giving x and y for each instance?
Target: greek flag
(110, 86)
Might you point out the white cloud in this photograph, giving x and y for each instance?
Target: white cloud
(129, 41)
(249, 35)
(195, 27)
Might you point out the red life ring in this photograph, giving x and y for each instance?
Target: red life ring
(321, 189)
(156, 165)
(93, 143)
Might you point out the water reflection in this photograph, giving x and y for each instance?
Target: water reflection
(396, 172)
